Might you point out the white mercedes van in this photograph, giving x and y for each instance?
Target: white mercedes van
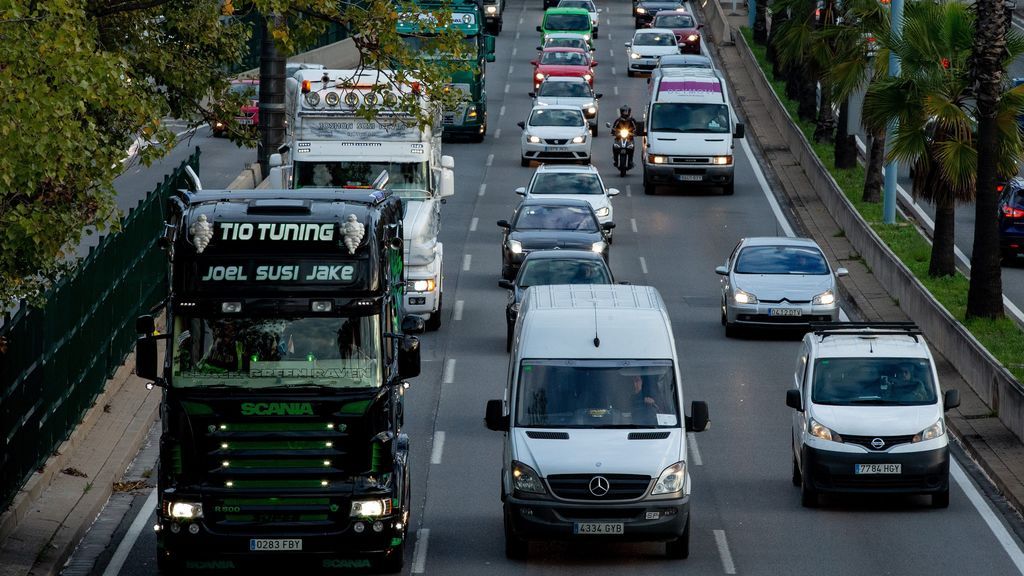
(595, 433)
(689, 131)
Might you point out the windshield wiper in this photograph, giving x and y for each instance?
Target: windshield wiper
(875, 401)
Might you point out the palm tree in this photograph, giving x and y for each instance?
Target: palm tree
(796, 50)
(761, 22)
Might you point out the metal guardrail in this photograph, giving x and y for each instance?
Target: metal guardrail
(60, 356)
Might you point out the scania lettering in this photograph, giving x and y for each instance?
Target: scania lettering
(332, 147)
(283, 380)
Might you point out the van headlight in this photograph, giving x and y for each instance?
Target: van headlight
(741, 297)
(655, 159)
(515, 246)
(370, 508)
(930, 433)
(184, 510)
(524, 479)
(603, 212)
(579, 139)
(825, 298)
(672, 480)
(721, 160)
(814, 428)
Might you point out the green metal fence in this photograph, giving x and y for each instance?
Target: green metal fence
(60, 356)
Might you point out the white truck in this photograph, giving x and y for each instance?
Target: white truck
(331, 146)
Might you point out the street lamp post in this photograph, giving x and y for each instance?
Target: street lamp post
(892, 168)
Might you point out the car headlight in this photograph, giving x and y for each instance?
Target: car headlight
(592, 110)
(692, 38)
(586, 37)
(603, 212)
(819, 431)
(672, 480)
(538, 76)
(653, 159)
(931, 432)
(423, 285)
(721, 160)
(741, 297)
(524, 479)
(184, 510)
(515, 246)
(825, 298)
(533, 139)
(579, 139)
(370, 508)
(492, 9)
(598, 246)
(640, 10)
(587, 77)
(634, 55)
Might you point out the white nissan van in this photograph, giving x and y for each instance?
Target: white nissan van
(595, 434)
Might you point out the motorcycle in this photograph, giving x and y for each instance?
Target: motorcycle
(622, 148)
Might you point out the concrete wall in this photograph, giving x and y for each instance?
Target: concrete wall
(990, 380)
(716, 22)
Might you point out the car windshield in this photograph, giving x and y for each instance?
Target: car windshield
(542, 271)
(560, 58)
(566, 43)
(873, 381)
(407, 179)
(567, 22)
(556, 218)
(674, 21)
(557, 118)
(565, 89)
(585, 4)
(572, 183)
(596, 394)
(689, 117)
(781, 260)
(654, 40)
(256, 353)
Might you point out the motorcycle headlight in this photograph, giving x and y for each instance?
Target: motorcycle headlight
(579, 139)
(370, 508)
(931, 432)
(603, 212)
(515, 246)
(692, 38)
(825, 298)
(598, 246)
(741, 297)
(817, 430)
(721, 160)
(524, 479)
(634, 55)
(184, 510)
(672, 480)
(492, 9)
(624, 133)
(533, 139)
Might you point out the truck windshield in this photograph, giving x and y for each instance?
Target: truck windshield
(596, 394)
(469, 50)
(689, 117)
(873, 382)
(407, 179)
(256, 353)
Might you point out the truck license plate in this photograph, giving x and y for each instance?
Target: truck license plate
(275, 544)
(608, 528)
(689, 177)
(785, 312)
(879, 469)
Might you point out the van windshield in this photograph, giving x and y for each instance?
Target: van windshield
(873, 382)
(689, 117)
(597, 394)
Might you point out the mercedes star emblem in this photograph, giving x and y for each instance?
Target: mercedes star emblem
(599, 486)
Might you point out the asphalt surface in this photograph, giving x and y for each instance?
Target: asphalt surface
(747, 517)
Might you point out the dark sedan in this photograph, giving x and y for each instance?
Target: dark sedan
(1011, 220)
(552, 267)
(548, 223)
(644, 10)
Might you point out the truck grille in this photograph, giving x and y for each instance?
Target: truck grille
(577, 486)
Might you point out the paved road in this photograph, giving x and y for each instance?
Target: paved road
(747, 517)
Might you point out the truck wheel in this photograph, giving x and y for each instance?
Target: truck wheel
(941, 499)
(392, 562)
(509, 332)
(679, 549)
(434, 320)
(649, 187)
(515, 547)
(168, 567)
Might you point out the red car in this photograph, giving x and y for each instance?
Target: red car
(683, 25)
(249, 114)
(563, 62)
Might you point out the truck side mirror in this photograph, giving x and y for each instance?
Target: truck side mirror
(740, 131)
(146, 358)
(950, 399)
(145, 324)
(413, 325)
(409, 356)
(495, 416)
(793, 400)
(489, 47)
(698, 420)
(447, 187)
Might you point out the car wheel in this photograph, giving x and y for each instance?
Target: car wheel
(679, 548)
(630, 73)
(506, 272)
(524, 161)
(808, 495)
(593, 131)
(724, 319)
(729, 188)
(941, 499)
(433, 322)
(516, 548)
(731, 330)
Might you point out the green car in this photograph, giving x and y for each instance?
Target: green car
(569, 20)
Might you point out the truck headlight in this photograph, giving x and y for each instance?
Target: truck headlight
(814, 428)
(579, 139)
(825, 298)
(185, 510)
(597, 246)
(654, 159)
(471, 112)
(634, 55)
(370, 508)
(741, 297)
(492, 9)
(312, 98)
(672, 480)
(603, 212)
(524, 479)
(515, 246)
(931, 432)
(721, 160)
(423, 285)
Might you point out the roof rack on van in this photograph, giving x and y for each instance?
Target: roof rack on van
(826, 329)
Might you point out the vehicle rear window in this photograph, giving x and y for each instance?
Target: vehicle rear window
(873, 382)
(780, 260)
(674, 21)
(654, 40)
(563, 271)
(555, 183)
(567, 22)
(565, 89)
(563, 58)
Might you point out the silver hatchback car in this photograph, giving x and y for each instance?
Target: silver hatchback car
(777, 282)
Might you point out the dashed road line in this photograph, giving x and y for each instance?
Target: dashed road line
(694, 451)
(643, 264)
(419, 555)
(520, 21)
(611, 53)
(497, 133)
(473, 223)
(483, 189)
(629, 190)
(501, 112)
(517, 33)
(449, 371)
(615, 90)
(613, 70)
(514, 50)
(490, 157)
(511, 68)
(723, 551)
(438, 449)
(987, 515)
(467, 259)
(457, 313)
(507, 86)
(632, 224)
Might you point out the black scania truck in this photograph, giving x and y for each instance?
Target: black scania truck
(283, 381)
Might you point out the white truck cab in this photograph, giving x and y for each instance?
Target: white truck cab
(595, 433)
(689, 131)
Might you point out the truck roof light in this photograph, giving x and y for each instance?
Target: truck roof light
(332, 98)
(322, 305)
(306, 86)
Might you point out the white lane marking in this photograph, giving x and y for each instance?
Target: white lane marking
(507, 88)
(438, 450)
(457, 314)
(501, 112)
(723, 551)
(643, 264)
(694, 450)
(419, 555)
(467, 259)
(490, 157)
(776, 209)
(629, 190)
(517, 33)
(483, 187)
(608, 36)
(611, 53)
(520, 21)
(632, 224)
(449, 371)
(613, 70)
(126, 545)
(473, 223)
(514, 50)
(511, 68)
(990, 517)
(843, 316)
(615, 89)
(497, 133)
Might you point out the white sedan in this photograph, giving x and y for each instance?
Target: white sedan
(556, 133)
(647, 47)
(582, 182)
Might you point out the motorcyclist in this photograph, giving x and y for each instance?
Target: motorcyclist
(625, 120)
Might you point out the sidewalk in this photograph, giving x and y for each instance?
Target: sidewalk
(984, 438)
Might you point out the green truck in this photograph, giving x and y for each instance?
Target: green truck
(469, 118)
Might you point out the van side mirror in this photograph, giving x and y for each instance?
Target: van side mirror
(740, 131)
(698, 420)
(495, 417)
(950, 399)
(506, 284)
(413, 325)
(793, 400)
(409, 356)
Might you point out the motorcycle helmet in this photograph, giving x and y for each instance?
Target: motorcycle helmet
(625, 111)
